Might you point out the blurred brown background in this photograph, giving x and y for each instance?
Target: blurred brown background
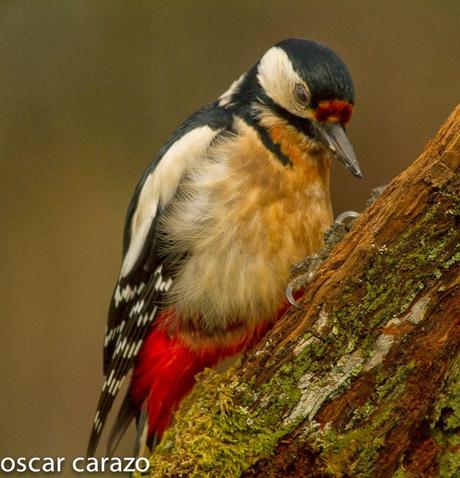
(88, 92)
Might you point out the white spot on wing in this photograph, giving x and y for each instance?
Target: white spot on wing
(158, 283)
(113, 387)
(131, 349)
(108, 381)
(138, 346)
(168, 284)
(127, 293)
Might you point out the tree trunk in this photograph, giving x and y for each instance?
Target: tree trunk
(364, 380)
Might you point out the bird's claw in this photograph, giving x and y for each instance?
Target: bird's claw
(341, 218)
(301, 274)
(290, 297)
(303, 271)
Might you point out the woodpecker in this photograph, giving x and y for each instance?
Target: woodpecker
(236, 196)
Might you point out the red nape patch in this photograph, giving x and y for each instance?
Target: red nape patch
(334, 110)
(166, 367)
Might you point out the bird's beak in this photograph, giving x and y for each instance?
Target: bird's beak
(334, 138)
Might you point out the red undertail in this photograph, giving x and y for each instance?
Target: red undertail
(166, 368)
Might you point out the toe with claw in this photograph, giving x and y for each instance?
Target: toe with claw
(303, 271)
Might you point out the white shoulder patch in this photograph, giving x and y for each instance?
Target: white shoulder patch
(161, 185)
(278, 78)
(226, 98)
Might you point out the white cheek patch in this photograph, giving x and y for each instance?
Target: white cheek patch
(278, 78)
(161, 185)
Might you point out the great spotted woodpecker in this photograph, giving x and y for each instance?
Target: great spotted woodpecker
(235, 197)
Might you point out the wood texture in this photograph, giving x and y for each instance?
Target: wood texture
(364, 380)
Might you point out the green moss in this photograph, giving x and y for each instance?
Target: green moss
(389, 388)
(446, 425)
(215, 437)
(400, 473)
(354, 452)
(407, 268)
(449, 462)
(453, 260)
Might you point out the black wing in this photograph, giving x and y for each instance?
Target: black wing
(138, 295)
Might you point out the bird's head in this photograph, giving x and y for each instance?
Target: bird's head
(307, 85)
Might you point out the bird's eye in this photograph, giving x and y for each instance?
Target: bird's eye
(301, 94)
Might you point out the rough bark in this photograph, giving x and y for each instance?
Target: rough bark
(364, 380)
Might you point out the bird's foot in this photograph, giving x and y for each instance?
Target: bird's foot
(303, 271)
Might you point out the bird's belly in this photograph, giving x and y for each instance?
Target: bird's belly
(241, 226)
(238, 262)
